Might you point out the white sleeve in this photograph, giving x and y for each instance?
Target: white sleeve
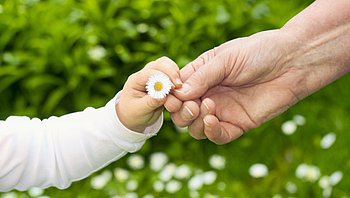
(60, 150)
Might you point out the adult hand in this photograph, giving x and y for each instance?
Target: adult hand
(245, 82)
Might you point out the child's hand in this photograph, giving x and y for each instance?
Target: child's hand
(136, 109)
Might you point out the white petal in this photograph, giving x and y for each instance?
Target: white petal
(166, 86)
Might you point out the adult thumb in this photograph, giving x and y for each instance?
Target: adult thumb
(205, 77)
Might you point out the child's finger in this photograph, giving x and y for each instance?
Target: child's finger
(172, 104)
(151, 104)
(138, 80)
(168, 67)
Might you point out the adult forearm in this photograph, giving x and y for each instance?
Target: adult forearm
(322, 42)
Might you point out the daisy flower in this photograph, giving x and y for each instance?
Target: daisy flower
(158, 86)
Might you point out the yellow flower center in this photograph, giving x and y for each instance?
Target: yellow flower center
(158, 86)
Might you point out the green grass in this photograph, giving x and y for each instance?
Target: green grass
(45, 69)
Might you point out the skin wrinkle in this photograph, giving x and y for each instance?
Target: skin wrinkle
(272, 70)
(222, 112)
(323, 62)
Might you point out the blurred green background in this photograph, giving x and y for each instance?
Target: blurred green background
(61, 56)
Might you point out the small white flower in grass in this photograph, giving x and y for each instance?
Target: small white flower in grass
(9, 195)
(277, 196)
(328, 140)
(158, 186)
(308, 172)
(121, 174)
(131, 195)
(35, 192)
(132, 185)
(291, 187)
(258, 170)
(299, 120)
(209, 177)
(301, 170)
(168, 172)
(158, 160)
(221, 186)
(324, 182)
(97, 53)
(196, 182)
(208, 195)
(148, 196)
(100, 181)
(136, 162)
(173, 186)
(158, 86)
(289, 127)
(217, 161)
(182, 172)
(194, 194)
(327, 192)
(335, 178)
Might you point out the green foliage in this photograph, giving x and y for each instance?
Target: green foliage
(60, 56)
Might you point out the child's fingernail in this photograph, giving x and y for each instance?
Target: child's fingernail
(184, 89)
(189, 112)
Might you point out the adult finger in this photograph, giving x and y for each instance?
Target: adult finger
(172, 104)
(204, 58)
(210, 74)
(193, 66)
(196, 129)
(185, 116)
(220, 132)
